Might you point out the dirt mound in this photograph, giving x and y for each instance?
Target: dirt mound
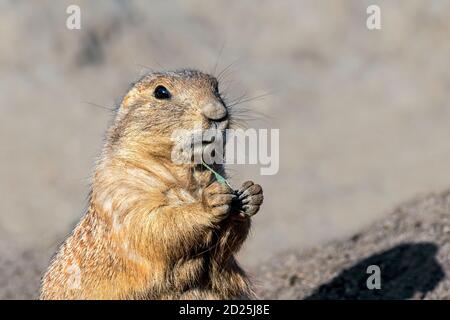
(411, 247)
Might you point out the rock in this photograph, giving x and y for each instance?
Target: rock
(411, 247)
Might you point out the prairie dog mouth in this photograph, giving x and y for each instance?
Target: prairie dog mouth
(212, 147)
(222, 125)
(212, 144)
(198, 145)
(215, 134)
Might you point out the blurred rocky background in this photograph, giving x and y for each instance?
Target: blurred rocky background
(363, 115)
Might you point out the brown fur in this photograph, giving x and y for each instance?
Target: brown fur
(153, 229)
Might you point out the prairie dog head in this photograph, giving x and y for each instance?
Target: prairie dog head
(162, 103)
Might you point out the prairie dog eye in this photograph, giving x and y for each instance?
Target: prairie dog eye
(161, 93)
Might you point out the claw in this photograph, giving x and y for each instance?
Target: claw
(250, 210)
(244, 187)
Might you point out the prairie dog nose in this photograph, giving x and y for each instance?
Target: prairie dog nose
(214, 110)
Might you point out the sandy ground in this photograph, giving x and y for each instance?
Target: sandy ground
(363, 115)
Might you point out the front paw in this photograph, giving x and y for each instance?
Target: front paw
(217, 199)
(249, 197)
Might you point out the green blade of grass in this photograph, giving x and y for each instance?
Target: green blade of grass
(219, 178)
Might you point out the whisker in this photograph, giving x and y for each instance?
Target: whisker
(145, 67)
(238, 124)
(259, 97)
(227, 68)
(150, 68)
(100, 106)
(239, 98)
(218, 58)
(243, 112)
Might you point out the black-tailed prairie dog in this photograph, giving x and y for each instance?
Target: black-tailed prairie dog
(155, 229)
